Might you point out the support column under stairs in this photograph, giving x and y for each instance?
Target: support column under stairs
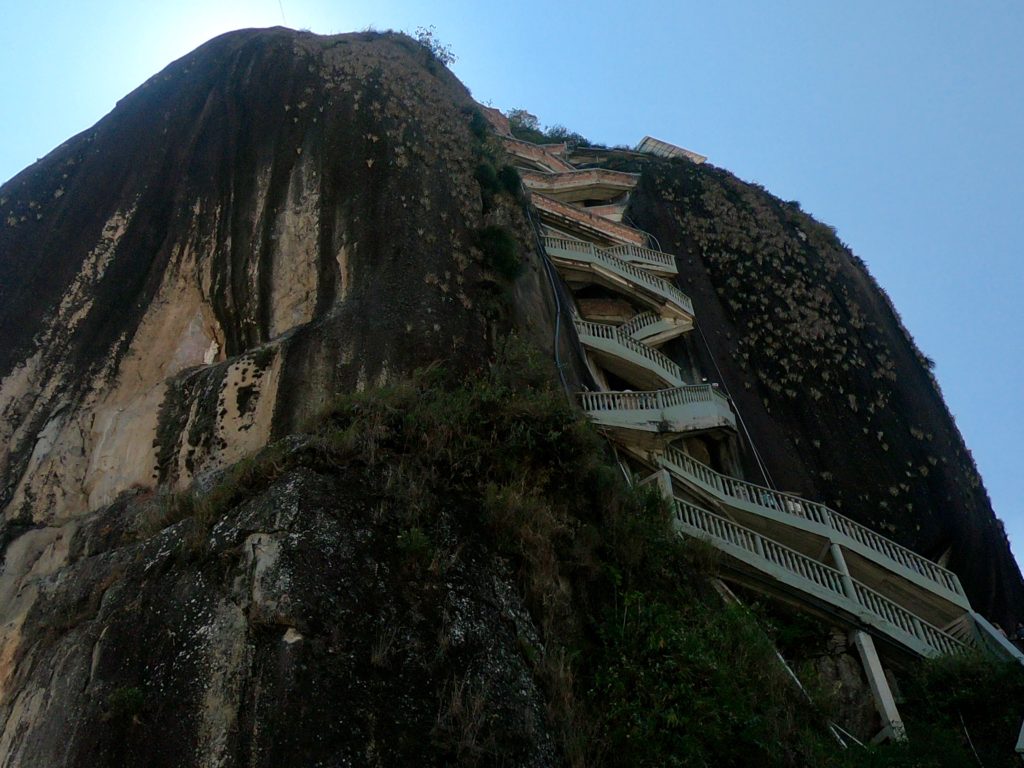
(885, 702)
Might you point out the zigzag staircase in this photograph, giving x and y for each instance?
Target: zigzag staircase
(778, 544)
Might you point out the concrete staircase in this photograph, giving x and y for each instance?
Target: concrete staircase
(788, 548)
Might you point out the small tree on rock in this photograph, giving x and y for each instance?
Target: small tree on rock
(427, 37)
(520, 119)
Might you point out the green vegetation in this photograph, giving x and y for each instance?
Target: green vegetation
(500, 190)
(641, 662)
(478, 123)
(959, 711)
(415, 545)
(487, 177)
(493, 181)
(427, 37)
(199, 511)
(500, 251)
(526, 127)
(510, 180)
(694, 683)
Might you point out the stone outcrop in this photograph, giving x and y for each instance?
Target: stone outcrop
(294, 632)
(278, 218)
(275, 218)
(159, 269)
(840, 402)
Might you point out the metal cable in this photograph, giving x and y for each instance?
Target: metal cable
(632, 223)
(750, 440)
(554, 290)
(721, 379)
(728, 596)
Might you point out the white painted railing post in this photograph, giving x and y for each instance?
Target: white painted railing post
(759, 546)
(918, 627)
(663, 481)
(994, 640)
(844, 571)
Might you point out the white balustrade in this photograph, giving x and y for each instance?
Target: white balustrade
(644, 255)
(639, 321)
(656, 400)
(621, 268)
(789, 504)
(720, 530)
(669, 370)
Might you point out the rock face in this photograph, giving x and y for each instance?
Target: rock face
(272, 219)
(278, 218)
(839, 401)
(160, 272)
(295, 633)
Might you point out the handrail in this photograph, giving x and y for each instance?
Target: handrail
(655, 400)
(568, 244)
(537, 152)
(641, 320)
(642, 254)
(995, 640)
(779, 554)
(818, 513)
(612, 333)
(624, 269)
(567, 215)
(815, 572)
(896, 614)
(577, 174)
(962, 629)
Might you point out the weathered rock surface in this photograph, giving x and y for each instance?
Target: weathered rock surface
(294, 632)
(839, 401)
(161, 271)
(275, 218)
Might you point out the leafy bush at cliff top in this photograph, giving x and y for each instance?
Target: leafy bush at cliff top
(427, 37)
(526, 127)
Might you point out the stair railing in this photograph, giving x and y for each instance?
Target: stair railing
(669, 369)
(740, 490)
(720, 530)
(622, 268)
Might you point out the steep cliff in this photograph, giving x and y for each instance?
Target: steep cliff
(839, 401)
(264, 184)
(271, 220)
(276, 489)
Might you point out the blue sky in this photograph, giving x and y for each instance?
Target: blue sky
(900, 123)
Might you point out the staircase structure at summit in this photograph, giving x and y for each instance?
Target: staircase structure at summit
(682, 433)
